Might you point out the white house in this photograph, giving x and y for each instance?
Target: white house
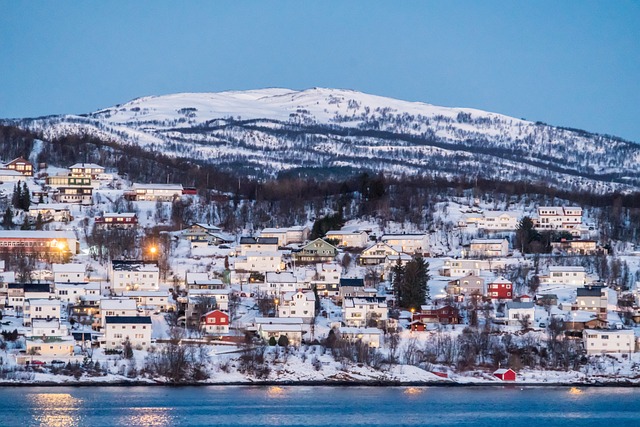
(154, 192)
(259, 262)
(87, 170)
(558, 218)
(597, 341)
(257, 245)
(149, 300)
(489, 248)
(369, 336)
(51, 212)
(278, 282)
(408, 243)
(349, 239)
(71, 292)
(221, 296)
(272, 329)
(134, 275)
(10, 175)
(357, 311)
(326, 278)
(114, 307)
(565, 275)
(136, 329)
(40, 309)
(377, 254)
(286, 236)
(518, 311)
(48, 328)
(68, 273)
(498, 221)
(298, 304)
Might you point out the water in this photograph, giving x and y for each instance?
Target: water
(319, 406)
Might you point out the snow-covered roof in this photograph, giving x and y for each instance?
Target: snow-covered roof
(43, 302)
(68, 268)
(566, 268)
(49, 206)
(281, 277)
(36, 234)
(170, 187)
(86, 166)
(514, 305)
(280, 327)
(487, 241)
(145, 294)
(10, 172)
(118, 304)
(278, 321)
(356, 331)
(119, 215)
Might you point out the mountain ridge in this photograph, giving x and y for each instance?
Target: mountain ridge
(275, 130)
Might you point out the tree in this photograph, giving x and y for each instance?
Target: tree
(283, 341)
(7, 219)
(525, 234)
(25, 197)
(15, 197)
(39, 222)
(410, 283)
(127, 350)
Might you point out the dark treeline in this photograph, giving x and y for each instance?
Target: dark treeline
(291, 199)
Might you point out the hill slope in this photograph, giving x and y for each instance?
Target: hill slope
(263, 133)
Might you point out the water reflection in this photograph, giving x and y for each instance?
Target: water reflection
(413, 390)
(55, 409)
(275, 391)
(149, 417)
(575, 391)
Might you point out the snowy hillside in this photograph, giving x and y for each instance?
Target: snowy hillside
(264, 132)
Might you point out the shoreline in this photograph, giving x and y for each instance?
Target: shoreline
(356, 383)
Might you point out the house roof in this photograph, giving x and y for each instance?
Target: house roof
(590, 291)
(36, 234)
(118, 304)
(364, 331)
(132, 320)
(566, 268)
(247, 240)
(514, 305)
(134, 265)
(281, 277)
(487, 241)
(34, 287)
(358, 282)
(278, 321)
(68, 268)
(86, 166)
(502, 371)
(280, 328)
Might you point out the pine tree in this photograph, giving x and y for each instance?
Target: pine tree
(15, 198)
(25, 197)
(39, 222)
(411, 283)
(7, 219)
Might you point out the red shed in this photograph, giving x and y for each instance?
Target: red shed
(505, 374)
(418, 326)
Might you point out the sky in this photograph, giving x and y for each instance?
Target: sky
(572, 63)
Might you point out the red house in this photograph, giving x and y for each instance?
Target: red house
(21, 165)
(119, 220)
(446, 315)
(500, 289)
(418, 326)
(215, 322)
(505, 374)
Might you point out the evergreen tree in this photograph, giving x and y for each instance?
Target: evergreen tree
(526, 234)
(7, 219)
(26, 225)
(15, 198)
(39, 222)
(25, 197)
(411, 283)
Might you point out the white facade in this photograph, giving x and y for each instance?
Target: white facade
(278, 282)
(563, 275)
(408, 243)
(349, 239)
(153, 192)
(147, 300)
(298, 304)
(48, 328)
(40, 309)
(136, 329)
(70, 293)
(489, 248)
(221, 296)
(518, 311)
(369, 336)
(68, 273)
(292, 331)
(134, 276)
(259, 262)
(597, 341)
(357, 311)
(123, 307)
(558, 218)
(498, 221)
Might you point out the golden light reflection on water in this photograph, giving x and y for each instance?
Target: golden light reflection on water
(275, 391)
(150, 417)
(55, 409)
(413, 390)
(575, 390)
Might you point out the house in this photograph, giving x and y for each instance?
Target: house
(291, 327)
(558, 218)
(80, 194)
(362, 311)
(278, 282)
(36, 308)
(117, 220)
(348, 239)
(68, 273)
(579, 320)
(467, 285)
(298, 304)
(47, 328)
(149, 300)
(486, 248)
(369, 336)
(50, 346)
(50, 212)
(134, 275)
(154, 192)
(326, 279)
(315, 252)
(135, 329)
(286, 236)
(354, 287)
(259, 262)
(10, 175)
(377, 254)
(445, 315)
(39, 241)
(66, 180)
(87, 170)
(21, 165)
(72, 292)
(500, 288)
(609, 341)
(546, 300)
(464, 267)
(215, 322)
(417, 326)
(498, 221)
(505, 374)
(201, 301)
(201, 232)
(257, 245)
(408, 243)
(115, 307)
(519, 312)
(18, 293)
(595, 298)
(205, 284)
(578, 247)
(565, 275)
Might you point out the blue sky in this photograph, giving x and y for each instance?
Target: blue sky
(568, 63)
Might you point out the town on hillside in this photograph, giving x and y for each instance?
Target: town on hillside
(103, 279)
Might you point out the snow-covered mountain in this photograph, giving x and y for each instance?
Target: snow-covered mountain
(265, 132)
